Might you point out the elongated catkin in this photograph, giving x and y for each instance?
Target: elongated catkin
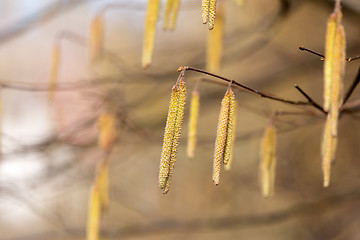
(268, 161)
(215, 41)
(177, 133)
(54, 72)
(107, 131)
(193, 123)
(96, 37)
(171, 13)
(94, 212)
(205, 10)
(230, 128)
(212, 14)
(229, 163)
(103, 183)
(150, 29)
(221, 137)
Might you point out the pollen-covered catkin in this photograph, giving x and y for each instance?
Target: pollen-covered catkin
(268, 161)
(230, 128)
(221, 137)
(193, 123)
(212, 14)
(96, 37)
(177, 133)
(150, 29)
(205, 10)
(227, 166)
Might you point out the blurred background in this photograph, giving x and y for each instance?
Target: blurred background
(50, 153)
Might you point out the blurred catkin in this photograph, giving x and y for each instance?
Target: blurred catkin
(221, 137)
(107, 124)
(94, 212)
(171, 13)
(215, 41)
(328, 151)
(193, 123)
(152, 14)
(268, 160)
(54, 72)
(96, 37)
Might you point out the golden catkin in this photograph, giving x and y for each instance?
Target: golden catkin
(205, 10)
(177, 133)
(96, 37)
(328, 151)
(334, 67)
(230, 128)
(93, 224)
(268, 161)
(221, 137)
(171, 13)
(239, 2)
(150, 29)
(107, 124)
(103, 183)
(212, 14)
(54, 72)
(193, 123)
(215, 41)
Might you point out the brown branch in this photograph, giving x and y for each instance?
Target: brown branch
(262, 94)
(352, 87)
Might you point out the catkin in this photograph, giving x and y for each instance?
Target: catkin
(103, 183)
(94, 212)
(96, 37)
(107, 124)
(328, 151)
(150, 29)
(171, 13)
(215, 41)
(193, 123)
(221, 137)
(54, 74)
(212, 13)
(268, 161)
(205, 10)
(177, 133)
(334, 68)
(230, 128)
(172, 133)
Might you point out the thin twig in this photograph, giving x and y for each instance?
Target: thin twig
(352, 87)
(302, 48)
(308, 97)
(264, 95)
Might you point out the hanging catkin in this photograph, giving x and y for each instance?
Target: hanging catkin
(172, 133)
(171, 13)
(215, 41)
(328, 151)
(94, 212)
(230, 129)
(193, 123)
(107, 131)
(54, 72)
(96, 37)
(150, 29)
(268, 161)
(221, 133)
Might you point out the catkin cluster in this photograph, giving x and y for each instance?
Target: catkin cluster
(208, 10)
(224, 135)
(172, 133)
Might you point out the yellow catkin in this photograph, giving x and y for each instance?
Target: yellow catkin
(103, 183)
(193, 122)
(150, 30)
(96, 37)
(94, 212)
(230, 129)
(328, 151)
(177, 133)
(221, 137)
(205, 10)
(54, 72)
(107, 124)
(228, 165)
(171, 13)
(334, 68)
(268, 161)
(212, 13)
(215, 41)
(239, 2)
